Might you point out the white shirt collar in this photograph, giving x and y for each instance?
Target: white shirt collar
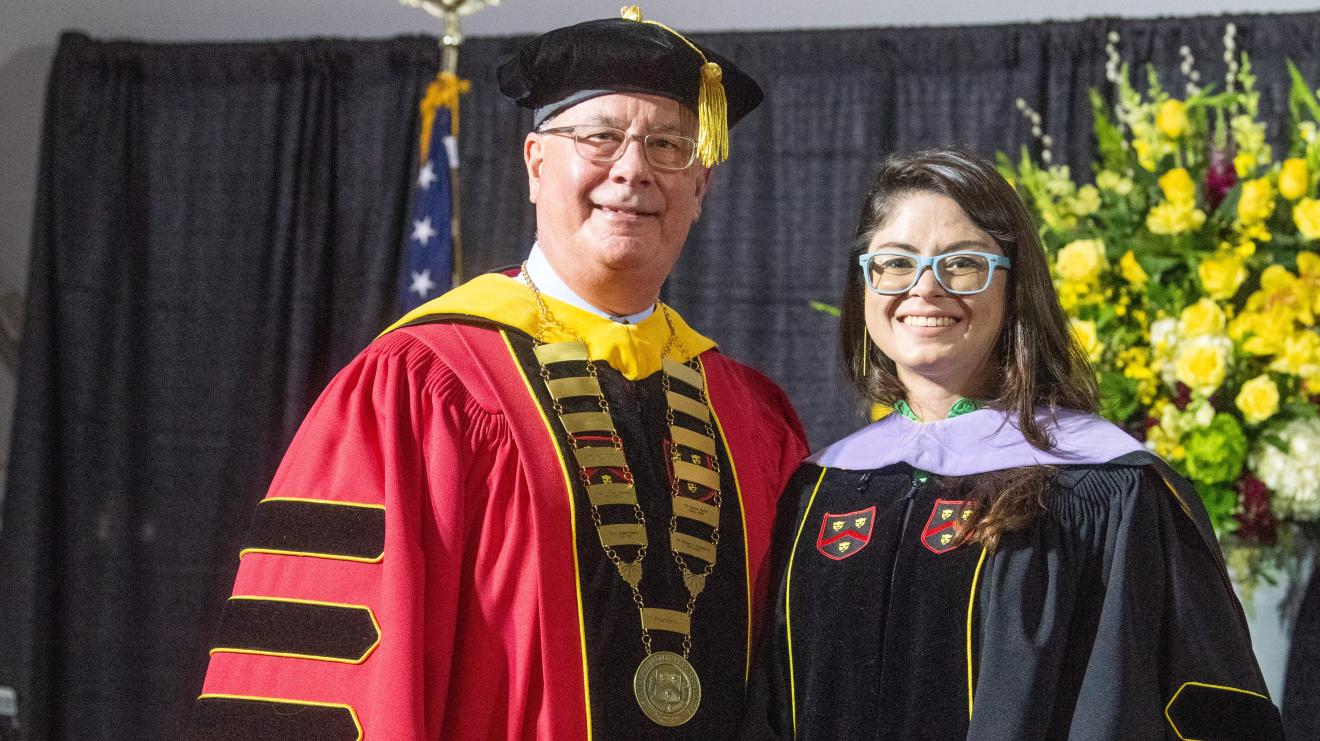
(548, 282)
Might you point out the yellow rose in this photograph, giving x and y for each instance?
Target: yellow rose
(1258, 399)
(1174, 218)
(1081, 261)
(1178, 186)
(1202, 318)
(1294, 179)
(1256, 202)
(1306, 215)
(1222, 275)
(1202, 364)
(1244, 163)
(1132, 271)
(1171, 119)
(1085, 334)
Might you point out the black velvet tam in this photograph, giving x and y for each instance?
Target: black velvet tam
(618, 55)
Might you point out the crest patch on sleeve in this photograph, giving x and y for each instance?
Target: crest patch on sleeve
(844, 536)
(940, 535)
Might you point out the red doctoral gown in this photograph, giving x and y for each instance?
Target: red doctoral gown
(425, 567)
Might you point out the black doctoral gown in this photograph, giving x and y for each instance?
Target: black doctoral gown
(1111, 617)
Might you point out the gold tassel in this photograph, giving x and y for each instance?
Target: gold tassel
(712, 105)
(712, 116)
(443, 92)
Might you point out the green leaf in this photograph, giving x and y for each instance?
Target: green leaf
(1118, 397)
(1300, 96)
(1227, 210)
(824, 307)
(1277, 442)
(1301, 409)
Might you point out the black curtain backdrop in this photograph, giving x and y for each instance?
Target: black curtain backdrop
(218, 229)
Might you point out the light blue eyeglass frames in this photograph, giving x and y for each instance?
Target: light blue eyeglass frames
(959, 273)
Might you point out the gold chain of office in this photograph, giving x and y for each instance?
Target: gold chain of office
(666, 686)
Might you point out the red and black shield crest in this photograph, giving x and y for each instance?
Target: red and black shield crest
(842, 536)
(944, 524)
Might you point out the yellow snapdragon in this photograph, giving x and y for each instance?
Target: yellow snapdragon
(1306, 215)
(1131, 269)
(1171, 118)
(1222, 274)
(1294, 179)
(1256, 201)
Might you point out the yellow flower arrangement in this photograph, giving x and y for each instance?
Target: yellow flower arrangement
(1190, 278)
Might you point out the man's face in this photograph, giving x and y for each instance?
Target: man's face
(598, 220)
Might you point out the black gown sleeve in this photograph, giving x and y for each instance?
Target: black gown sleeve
(1113, 618)
(768, 713)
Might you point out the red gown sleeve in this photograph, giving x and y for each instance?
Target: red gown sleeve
(338, 628)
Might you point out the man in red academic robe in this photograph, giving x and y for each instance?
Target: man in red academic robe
(539, 506)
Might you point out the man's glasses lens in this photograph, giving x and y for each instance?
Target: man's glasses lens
(959, 273)
(605, 144)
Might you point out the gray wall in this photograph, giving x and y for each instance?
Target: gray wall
(29, 30)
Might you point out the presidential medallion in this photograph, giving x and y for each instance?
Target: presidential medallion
(667, 688)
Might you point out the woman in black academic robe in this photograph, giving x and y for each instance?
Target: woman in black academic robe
(991, 560)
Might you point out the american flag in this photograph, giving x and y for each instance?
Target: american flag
(429, 239)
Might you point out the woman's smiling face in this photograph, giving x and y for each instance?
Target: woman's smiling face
(929, 333)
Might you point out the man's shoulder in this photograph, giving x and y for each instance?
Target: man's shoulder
(739, 375)
(752, 393)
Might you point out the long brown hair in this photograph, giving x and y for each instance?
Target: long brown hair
(1040, 364)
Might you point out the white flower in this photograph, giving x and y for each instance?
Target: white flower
(1292, 476)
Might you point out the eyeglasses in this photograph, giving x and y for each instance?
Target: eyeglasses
(961, 273)
(607, 144)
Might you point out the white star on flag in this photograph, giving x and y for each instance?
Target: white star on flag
(422, 283)
(423, 231)
(426, 176)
